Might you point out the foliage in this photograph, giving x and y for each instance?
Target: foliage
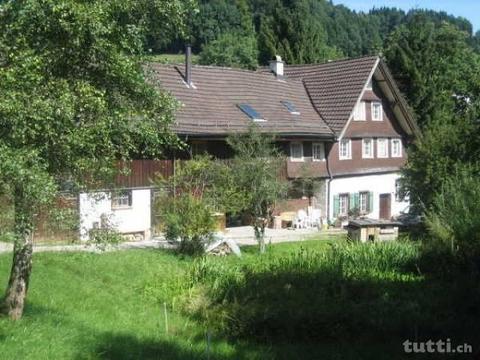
(232, 50)
(454, 219)
(350, 291)
(446, 142)
(306, 184)
(103, 238)
(303, 30)
(74, 101)
(96, 294)
(257, 167)
(434, 66)
(189, 219)
(207, 179)
(293, 32)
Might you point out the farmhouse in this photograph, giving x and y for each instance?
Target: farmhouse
(343, 122)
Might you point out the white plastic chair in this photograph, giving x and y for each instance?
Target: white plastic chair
(301, 220)
(315, 218)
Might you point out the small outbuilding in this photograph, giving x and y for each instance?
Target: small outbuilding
(366, 230)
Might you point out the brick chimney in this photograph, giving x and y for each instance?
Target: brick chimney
(276, 66)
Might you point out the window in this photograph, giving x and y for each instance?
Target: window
(345, 149)
(377, 111)
(363, 201)
(296, 151)
(122, 199)
(359, 113)
(396, 148)
(343, 204)
(367, 148)
(251, 112)
(400, 192)
(318, 152)
(291, 108)
(382, 148)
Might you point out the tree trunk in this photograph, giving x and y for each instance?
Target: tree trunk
(16, 292)
(259, 228)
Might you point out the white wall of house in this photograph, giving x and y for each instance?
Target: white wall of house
(378, 184)
(133, 219)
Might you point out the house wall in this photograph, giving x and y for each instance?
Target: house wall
(378, 184)
(134, 219)
(357, 130)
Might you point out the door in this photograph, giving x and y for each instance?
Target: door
(385, 206)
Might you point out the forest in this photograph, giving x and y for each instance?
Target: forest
(301, 31)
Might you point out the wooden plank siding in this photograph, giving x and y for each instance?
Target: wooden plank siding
(142, 173)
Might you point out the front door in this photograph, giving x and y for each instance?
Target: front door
(385, 206)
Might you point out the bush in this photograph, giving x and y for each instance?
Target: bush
(189, 219)
(453, 223)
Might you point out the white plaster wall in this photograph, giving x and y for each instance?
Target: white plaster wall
(136, 218)
(378, 184)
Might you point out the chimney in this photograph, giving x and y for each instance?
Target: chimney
(276, 66)
(188, 65)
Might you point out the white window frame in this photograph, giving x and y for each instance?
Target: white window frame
(372, 147)
(296, 159)
(122, 199)
(321, 146)
(348, 154)
(360, 112)
(363, 206)
(400, 148)
(346, 204)
(380, 117)
(386, 143)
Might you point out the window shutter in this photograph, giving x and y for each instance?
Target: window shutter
(356, 199)
(351, 201)
(370, 202)
(336, 205)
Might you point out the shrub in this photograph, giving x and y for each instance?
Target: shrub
(189, 219)
(453, 222)
(105, 236)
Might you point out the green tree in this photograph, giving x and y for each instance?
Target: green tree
(434, 66)
(294, 33)
(257, 167)
(74, 101)
(231, 49)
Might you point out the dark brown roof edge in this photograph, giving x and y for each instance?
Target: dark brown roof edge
(279, 135)
(404, 107)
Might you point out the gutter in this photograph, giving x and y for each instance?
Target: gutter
(330, 178)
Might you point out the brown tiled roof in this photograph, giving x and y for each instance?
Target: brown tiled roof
(334, 87)
(211, 107)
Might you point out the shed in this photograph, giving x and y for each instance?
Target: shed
(365, 230)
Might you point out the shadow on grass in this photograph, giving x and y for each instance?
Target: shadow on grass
(366, 309)
(113, 346)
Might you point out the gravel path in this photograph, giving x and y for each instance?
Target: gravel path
(243, 235)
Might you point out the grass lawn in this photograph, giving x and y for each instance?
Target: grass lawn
(113, 306)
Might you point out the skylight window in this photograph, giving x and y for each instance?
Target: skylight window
(251, 112)
(291, 108)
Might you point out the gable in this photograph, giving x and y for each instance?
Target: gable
(335, 87)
